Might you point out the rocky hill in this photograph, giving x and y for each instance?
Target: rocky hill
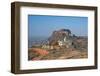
(65, 37)
(59, 35)
(62, 44)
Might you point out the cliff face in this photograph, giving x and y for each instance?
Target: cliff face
(60, 35)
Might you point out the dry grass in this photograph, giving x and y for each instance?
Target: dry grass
(41, 54)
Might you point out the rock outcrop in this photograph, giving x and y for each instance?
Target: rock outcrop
(60, 37)
(64, 37)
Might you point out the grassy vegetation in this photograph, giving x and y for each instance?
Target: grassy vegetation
(63, 53)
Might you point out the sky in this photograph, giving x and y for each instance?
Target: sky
(44, 25)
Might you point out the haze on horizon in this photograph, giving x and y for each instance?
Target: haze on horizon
(44, 25)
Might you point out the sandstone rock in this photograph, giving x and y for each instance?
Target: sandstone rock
(59, 36)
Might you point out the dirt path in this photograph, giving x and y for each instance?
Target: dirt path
(69, 54)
